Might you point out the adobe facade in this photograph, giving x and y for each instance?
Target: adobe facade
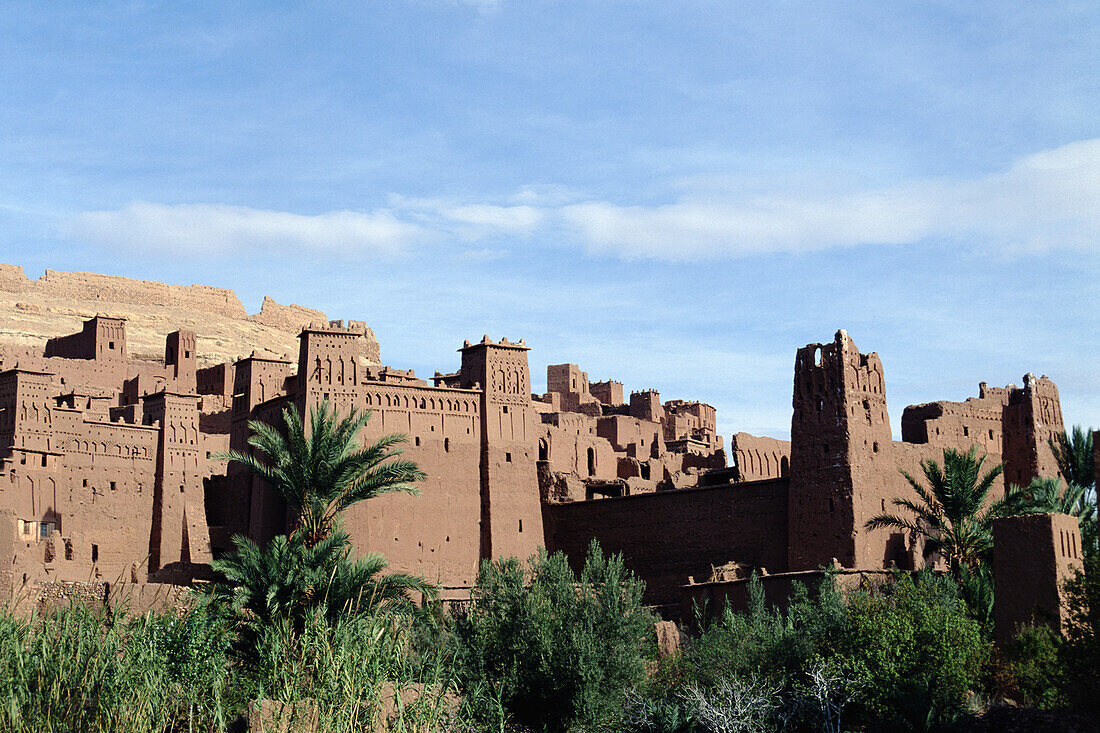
(107, 466)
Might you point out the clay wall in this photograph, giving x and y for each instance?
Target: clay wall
(636, 438)
(758, 458)
(1036, 554)
(667, 536)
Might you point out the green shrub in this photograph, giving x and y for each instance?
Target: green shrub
(1080, 654)
(1032, 659)
(914, 650)
(556, 650)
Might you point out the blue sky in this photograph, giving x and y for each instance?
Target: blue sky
(675, 195)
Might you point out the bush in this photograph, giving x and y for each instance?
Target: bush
(555, 649)
(1035, 671)
(1080, 654)
(914, 649)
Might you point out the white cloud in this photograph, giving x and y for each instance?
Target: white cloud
(1044, 201)
(221, 229)
(472, 221)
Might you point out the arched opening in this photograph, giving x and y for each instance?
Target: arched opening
(784, 466)
(591, 461)
(544, 450)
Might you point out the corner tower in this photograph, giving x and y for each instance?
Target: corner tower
(511, 510)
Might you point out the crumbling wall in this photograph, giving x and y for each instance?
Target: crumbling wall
(759, 458)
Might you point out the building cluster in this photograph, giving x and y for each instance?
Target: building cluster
(110, 469)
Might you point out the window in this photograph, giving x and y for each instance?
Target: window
(417, 439)
(112, 486)
(44, 529)
(966, 431)
(506, 409)
(521, 525)
(508, 457)
(95, 553)
(446, 445)
(110, 344)
(591, 462)
(85, 483)
(43, 460)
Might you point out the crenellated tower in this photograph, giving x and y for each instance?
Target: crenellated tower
(511, 510)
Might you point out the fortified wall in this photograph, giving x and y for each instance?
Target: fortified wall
(107, 467)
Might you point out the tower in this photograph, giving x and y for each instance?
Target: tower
(511, 510)
(841, 465)
(179, 532)
(180, 359)
(1036, 554)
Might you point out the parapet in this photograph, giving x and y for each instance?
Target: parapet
(486, 341)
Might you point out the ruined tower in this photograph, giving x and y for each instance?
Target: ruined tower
(511, 512)
(840, 453)
(181, 359)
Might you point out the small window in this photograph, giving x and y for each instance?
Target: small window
(991, 435)
(110, 344)
(43, 460)
(113, 486)
(966, 431)
(417, 439)
(521, 525)
(874, 447)
(85, 483)
(447, 445)
(95, 553)
(506, 409)
(508, 457)
(44, 529)
(186, 354)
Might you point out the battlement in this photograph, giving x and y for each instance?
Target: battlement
(504, 342)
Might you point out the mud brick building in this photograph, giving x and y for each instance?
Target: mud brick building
(108, 469)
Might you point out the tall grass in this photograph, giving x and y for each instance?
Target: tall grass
(81, 669)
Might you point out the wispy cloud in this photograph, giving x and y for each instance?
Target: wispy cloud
(1044, 201)
(189, 229)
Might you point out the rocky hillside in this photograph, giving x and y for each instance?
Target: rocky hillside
(32, 311)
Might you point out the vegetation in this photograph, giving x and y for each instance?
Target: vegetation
(559, 650)
(323, 471)
(308, 637)
(953, 515)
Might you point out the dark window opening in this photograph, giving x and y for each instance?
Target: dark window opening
(417, 440)
(521, 525)
(875, 447)
(95, 553)
(991, 435)
(43, 461)
(110, 344)
(506, 409)
(544, 450)
(508, 457)
(966, 432)
(447, 445)
(591, 462)
(112, 486)
(85, 483)
(68, 549)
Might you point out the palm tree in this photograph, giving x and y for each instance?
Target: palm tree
(1051, 495)
(288, 579)
(322, 472)
(1073, 451)
(951, 514)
